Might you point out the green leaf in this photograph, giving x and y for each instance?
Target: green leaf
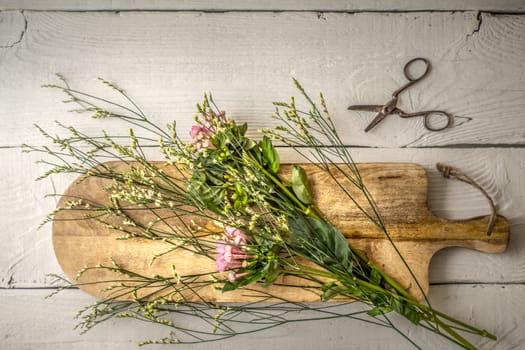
(249, 144)
(300, 185)
(375, 277)
(378, 299)
(273, 271)
(209, 195)
(412, 315)
(251, 278)
(397, 306)
(330, 290)
(407, 310)
(321, 243)
(242, 129)
(378, 311)
(228, 286)
(240, 196)
(271, 157)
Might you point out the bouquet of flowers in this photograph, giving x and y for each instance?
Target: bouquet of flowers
(226, 200)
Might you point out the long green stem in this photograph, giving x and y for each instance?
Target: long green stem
(357, 280)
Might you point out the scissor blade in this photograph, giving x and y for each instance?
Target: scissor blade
(378, 119)
(367, 108)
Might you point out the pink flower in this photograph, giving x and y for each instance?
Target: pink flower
(201, 136)
(202, 133)
(239, 237)
(231, 250)
(221, 263)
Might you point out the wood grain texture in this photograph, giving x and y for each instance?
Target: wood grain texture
(167, 60)
(12, 29)
(399, 190)
(29, 253)
(497, 308)
(267, 5)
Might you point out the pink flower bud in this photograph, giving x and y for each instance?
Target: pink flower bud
(232, 277)
(231, 252)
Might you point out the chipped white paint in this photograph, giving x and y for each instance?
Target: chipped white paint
(166, 60)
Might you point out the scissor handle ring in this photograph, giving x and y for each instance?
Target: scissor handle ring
(406, 69)
(428, 126)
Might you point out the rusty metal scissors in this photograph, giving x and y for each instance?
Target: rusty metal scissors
(391, 106)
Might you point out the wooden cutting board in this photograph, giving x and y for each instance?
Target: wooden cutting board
(400, 190)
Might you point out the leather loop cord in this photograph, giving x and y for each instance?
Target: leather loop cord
(451, 172)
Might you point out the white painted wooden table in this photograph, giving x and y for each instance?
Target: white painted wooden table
(246, 54)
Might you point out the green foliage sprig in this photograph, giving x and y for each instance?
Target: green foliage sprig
(232, 206)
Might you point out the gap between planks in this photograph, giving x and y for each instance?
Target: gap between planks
(512, 6)
(433, 284)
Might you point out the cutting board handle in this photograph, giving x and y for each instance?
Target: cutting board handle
(472, 234)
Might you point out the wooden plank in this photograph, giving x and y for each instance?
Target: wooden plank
(253, 5)
(29, 253)
(31, 322)
(399, 190)
(167, 60)
(12, 29)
